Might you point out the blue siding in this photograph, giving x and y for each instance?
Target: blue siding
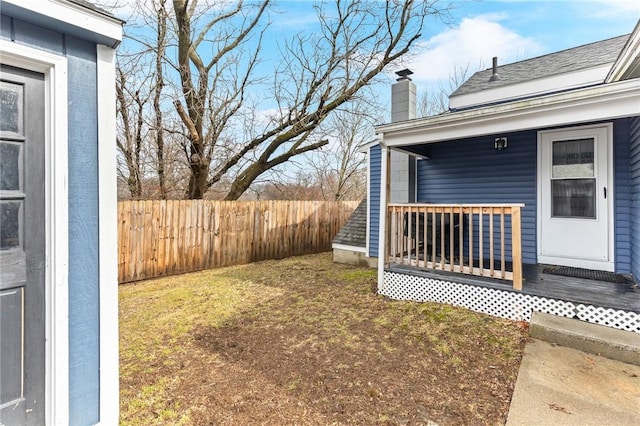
(84, 349)
(43, 38)
(622, 208)
(5, 27)
(472, 171)
(634, 170)
(375, 156)
(84, 295)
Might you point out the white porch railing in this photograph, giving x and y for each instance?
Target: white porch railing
(475, 239)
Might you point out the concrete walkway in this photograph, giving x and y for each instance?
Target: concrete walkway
(558, 385)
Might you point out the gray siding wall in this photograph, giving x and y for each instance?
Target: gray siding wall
(472, 171)
(84, 381)
(621, 188)
(634, 164)
(375, 156)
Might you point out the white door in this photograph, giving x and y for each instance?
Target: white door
(574, 197)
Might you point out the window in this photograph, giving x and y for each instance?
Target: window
(573, 182)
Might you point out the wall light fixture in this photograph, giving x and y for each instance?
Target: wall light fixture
(500, 144)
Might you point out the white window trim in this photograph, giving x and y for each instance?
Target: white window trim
(54, 68)
(108, 236)
(611, 196)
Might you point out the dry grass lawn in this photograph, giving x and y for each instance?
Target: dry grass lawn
(305, 341)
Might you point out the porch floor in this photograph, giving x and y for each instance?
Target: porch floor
(623, 296)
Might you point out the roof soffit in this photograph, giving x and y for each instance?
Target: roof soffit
(75, 18)
(581, 105)
(627, 65)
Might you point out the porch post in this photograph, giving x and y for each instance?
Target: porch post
(516, 247)
(382, 217)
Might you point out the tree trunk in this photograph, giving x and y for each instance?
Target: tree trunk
(244, 181)
(157, 99)
(197, 181)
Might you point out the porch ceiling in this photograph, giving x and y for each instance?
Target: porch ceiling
(602, 102)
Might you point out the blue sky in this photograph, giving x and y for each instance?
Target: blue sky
(512, 30)
(509, 29)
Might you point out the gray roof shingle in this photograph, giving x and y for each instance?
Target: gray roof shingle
(89, 5)
(577, 58)
(354, 232)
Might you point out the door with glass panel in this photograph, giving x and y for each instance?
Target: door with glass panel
(22, 247)
(574, 196)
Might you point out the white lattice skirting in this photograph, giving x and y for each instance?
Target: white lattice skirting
(501, 303)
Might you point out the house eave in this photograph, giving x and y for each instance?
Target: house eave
(628, 62)
(602, 102)
(68, 17)
(364, 148)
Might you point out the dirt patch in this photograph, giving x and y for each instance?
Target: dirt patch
(310, 343)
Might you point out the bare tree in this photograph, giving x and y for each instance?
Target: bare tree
(195, 87)
(436, 101)
(130, 111)
(213, 86)
(340, 169)
(146, 134)
(318, 73)
(161, 47)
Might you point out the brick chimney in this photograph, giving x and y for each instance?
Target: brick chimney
(403, 97)
(403, 166)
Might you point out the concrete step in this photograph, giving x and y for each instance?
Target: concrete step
(596, 339)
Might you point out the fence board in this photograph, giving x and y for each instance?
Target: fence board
(159, 237)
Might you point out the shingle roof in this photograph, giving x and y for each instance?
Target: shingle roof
(577, 58)
(91, 6)
(354, 232)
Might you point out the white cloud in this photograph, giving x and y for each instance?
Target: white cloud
(474, 42)
(609, 8)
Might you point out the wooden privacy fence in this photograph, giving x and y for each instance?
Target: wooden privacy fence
(159, 237)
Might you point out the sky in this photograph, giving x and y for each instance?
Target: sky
(512, 30)
(478, 30)
(516, 30)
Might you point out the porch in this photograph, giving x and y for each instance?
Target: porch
(615, 305)
(483, 240)
(621, 295)
(470, 256)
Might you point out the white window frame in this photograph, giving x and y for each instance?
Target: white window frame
(54, 68)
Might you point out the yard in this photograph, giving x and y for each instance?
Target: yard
(306, 341)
